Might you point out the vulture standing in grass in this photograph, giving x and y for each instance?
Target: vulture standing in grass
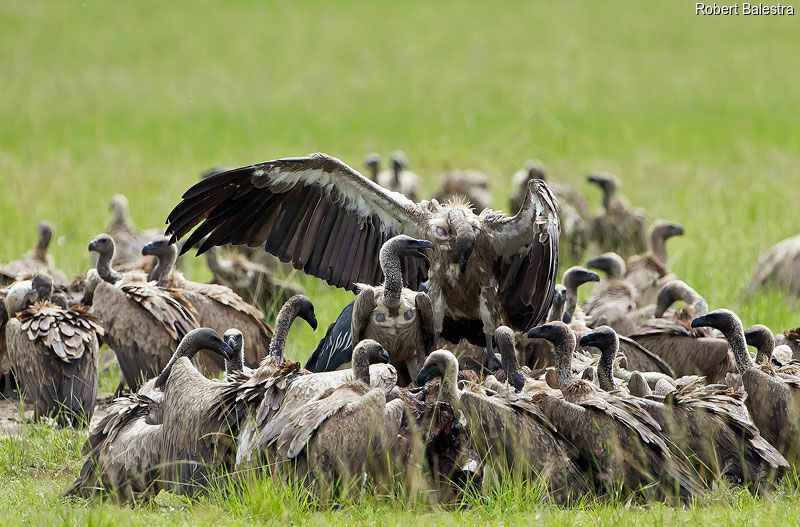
(647, 273)
(617, 439)
(216, 307)
(701, 422)
(669, 334)
(773, 401)
(54, 355)
(510, 432)
(618, 228)
(330, 221)
(35, 262)
(125, 449)
(573, 208)
(401, 320)
(778, 268)
(399, 179)
(465, 184)
(143, 322)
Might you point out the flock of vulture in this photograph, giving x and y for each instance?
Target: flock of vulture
(460, 359)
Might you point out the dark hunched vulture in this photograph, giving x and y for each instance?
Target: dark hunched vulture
(330, 221)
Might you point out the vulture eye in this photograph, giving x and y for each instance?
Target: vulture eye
(441, 232)
(380, 318)
(408, 315)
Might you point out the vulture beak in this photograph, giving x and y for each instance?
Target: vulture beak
(312, 321)
(232, 343)
(677, 229)
(708, 320)
(226, 350)
(428, 372)
(590, 340)
(383, 357)
(415, 248)
(567, 318)
(92, 246)
(539, 332)
(558, 296)
(148, 249)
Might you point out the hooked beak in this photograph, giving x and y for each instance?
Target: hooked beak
(677, 230)
(703, 321)
(226, 350)
(595, 263)
(567, 318)
(558, 296)
(312, 321)
(231, 343)
(589, 340)
(92, 246)
(537, 332)
(416, 247)
(148, 249)
(383, 357)
(428, 372)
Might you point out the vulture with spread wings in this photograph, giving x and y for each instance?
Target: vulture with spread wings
(330, 222)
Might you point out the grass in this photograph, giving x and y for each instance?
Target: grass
(697, 115)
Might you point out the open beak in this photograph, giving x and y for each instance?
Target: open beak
(417, 247)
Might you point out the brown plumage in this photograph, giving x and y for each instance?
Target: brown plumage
(618, 440)
(648, 273)
(54, 354)
(573, 208)
(127, 452)
(216, 307)
(143, 322)
(618, 228)
(465, 184)
(509, 432)
(37, 261)
(330, 221)
(778, 268)
(773, 402)
(401, 320)
(702, 423)
(128, 240)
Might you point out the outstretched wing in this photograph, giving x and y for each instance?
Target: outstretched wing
(315, 212)
(526, 246)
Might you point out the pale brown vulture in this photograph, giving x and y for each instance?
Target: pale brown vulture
(330, 221)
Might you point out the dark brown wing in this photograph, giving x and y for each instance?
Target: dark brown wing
(315, 212)
(526, 246)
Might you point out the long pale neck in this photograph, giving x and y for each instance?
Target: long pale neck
(448, 388)
(284, 320)
(563, 357)
(186, 348)
(361, 367)
(236, 364)
(104, 269)
(605, 368)
(393, 281)
(162, 273)
(572, 299)
(508, 358)
(608, 197)
(738, 346)
(557, 311)
(658, 245)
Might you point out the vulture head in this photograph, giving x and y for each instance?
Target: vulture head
(455, 234)
(439, 363)
(760, 337)
(608, 183)
(367, 352)
(399, 161)
(556, 332)
(373, 164)
(193, 342)
(602, 338)
(559, 301)
(610, 263)
(402, 245)
(724, 320)
(42, 286)
(304, 309)
(102, 244)
(665, 229)
(118, 206)
(573, 278)
(235, 340)
(45, 231)
(678, 290)
(160, 247)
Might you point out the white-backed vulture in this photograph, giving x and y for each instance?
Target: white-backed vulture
(128, 241)
(617, 439)
(399, 179)
(612, 302)
(647, 273)
(773, 402)
(689, 351)
(54, 355)
(618, 228)
(399, 319)
(768, 355)
(216, 307)
(778, 268)
(509, 432)
(251, 280)
(143, 322)
(36, 261)
(701, 423)
(330, 221)
(573, 211)
(465, 184)
(125, 450)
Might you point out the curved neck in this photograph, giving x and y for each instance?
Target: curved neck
(765, 347)
(188, 347)
(658, 246)
(360, 366)
(738, 346)
(393, 275)
(162, 273)
(563, 356)
(283, 322)
(608, 196)
(104, 269)
(571, 301)
(43, 243)
(605, 368)
(508, 358)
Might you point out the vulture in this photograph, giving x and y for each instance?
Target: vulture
(143, 322)
(510, 432)
(648, 273)
(618, 228)
(124, 451)
(689, 351)
(773, 402)
(372, 162)
(344, 431)
(469, 184)
(768, 355)
(216, 307)
(128, 241)
(54, 355)
(778, 268)
(330, 221)
(617, 439)
(701, 422)
(251, 280)
(35, 262)
(401, 320)
(297, 306)
(573, 208)
(398, 179)
(612, 302)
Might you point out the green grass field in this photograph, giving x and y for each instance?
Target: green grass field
(697, 115)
